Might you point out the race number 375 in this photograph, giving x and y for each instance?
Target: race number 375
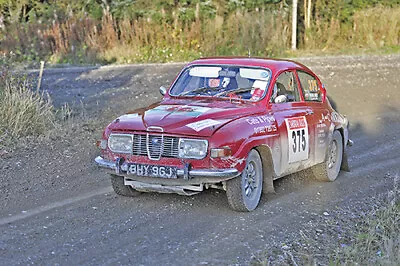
(298, 138)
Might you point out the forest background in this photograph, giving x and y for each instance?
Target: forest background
(132, 31)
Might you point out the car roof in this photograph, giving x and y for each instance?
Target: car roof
(275, 65)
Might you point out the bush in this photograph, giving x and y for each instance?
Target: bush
(23, 112)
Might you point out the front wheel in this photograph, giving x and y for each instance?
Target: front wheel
(244, 191)
(329, 170)
(117, 183)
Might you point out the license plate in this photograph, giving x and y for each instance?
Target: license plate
(152, 170)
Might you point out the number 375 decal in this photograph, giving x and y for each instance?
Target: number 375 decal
(298, 138)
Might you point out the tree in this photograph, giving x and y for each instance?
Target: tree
(294, 25)
(307, 13)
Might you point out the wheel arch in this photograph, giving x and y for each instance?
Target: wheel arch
(268, 168)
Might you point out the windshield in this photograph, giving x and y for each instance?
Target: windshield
(236, 82)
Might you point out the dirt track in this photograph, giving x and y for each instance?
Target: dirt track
(58, 208)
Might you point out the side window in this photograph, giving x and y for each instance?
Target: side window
(285, 89)
(309, 85)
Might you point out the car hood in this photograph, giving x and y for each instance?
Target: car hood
(196, 118)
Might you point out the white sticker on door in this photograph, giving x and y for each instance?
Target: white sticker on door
(298, 138)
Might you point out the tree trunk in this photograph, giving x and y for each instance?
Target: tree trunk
(308, 14)
(294, 25)
(305, 13)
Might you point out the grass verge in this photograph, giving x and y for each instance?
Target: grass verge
(377, 242)
(23, 112)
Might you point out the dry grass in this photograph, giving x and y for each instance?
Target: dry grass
(23, 112)
(148, 41)
(377, 27)
(262, 32)
(378, 240)
(372, 28)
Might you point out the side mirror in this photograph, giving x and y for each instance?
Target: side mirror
(323, 93)
(163, 90)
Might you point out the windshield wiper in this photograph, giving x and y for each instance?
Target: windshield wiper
(201, 89)
(238, 90)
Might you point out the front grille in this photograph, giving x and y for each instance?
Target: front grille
(155, 146)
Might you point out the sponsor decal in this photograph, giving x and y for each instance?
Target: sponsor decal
(200, 125)
(260, 120)
(298, 138)
(264, 74)
(213, 83)
(129, 116)
(257, 94)
(265, 129)
(258, 90)
(185, 110)
(324, 118)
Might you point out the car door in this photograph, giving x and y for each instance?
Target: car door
(311, 90)
(295, 123)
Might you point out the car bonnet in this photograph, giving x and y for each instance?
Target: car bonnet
(197, 118)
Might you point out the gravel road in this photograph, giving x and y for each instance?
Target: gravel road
(58, 208)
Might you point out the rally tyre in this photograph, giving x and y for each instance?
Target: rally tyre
(244, 192)
(117, 183)
(328, 171)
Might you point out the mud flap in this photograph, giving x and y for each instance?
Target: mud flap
(268, 169)
(268, 177)
(268, 185)
(345, 162)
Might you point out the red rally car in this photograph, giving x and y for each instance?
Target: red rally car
(234, 124)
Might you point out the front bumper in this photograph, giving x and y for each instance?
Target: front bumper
(212, 175)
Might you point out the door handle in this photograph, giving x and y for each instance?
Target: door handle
(309, 112)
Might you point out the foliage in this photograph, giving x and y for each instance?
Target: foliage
(32, 10)
(93, 31)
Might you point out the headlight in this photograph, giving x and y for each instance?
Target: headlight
(120, 143)
(193, 148)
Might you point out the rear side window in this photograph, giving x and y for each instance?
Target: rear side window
(309, 85)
